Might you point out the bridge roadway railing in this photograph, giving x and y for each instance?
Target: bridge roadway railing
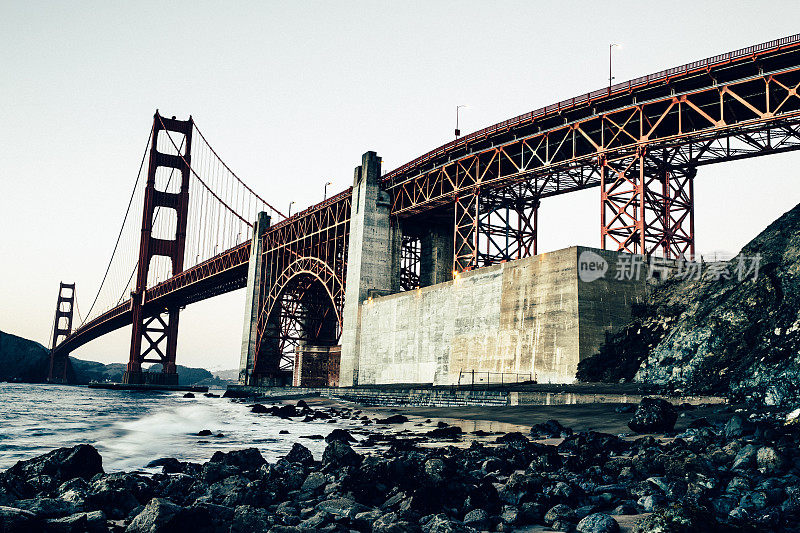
(619, 88)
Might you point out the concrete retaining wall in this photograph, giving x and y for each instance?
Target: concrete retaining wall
(532, 315)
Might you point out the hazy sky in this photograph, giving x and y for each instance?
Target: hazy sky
(292, 93)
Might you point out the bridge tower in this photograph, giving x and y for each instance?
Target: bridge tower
(62, 327)
(159, 325)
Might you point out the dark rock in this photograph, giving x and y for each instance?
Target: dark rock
(737, 427)
(770, 461)
(677, 518)
(159, 515)
(283, 432)
(211, 395)
(314, 482)
(339, 434)
(342, 507)
(248, 519)
(393, 419)
(550, 429)
(167, 464)
(512, 437)
(51, 469)
(338, 454)
(204, 433)
(284, 411)
(654, 415)
(449, 432)
(598, 523)
(440, 523)
(258, 408)
(625, 408)
(312, 437)
(558, 512)
(118, 494)
(188, 395)
(245, 460)
(299, 454)
(13, 520)
(477, 519)
(94, 522)
(48, 507)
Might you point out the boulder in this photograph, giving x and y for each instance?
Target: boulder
(13, 520)
(558, 512)
(342, 507)
(244, 460)
(299, 454)
(60, 465)
(247, 519)
(477, 519)
(338, 454)
(394, 419)
(598, 523)
(159, 515)
(94, 522)
(654, 415)
(339, 434)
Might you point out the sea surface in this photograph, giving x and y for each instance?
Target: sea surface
(130, 429)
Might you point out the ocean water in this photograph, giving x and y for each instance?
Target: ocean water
(130, 429)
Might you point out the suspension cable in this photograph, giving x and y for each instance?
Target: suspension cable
(234, 173)
(250, 224)
(119, 235)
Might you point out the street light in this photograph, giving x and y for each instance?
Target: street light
(458, 131)
(326, 191)
(610, 77)
(290, 208)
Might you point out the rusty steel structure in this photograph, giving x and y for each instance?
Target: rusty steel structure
(62, 328)
(641, 142)
(304, 262)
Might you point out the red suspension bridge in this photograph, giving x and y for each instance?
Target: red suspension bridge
(641, 142)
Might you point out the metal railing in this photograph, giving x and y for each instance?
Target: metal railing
(607, 91)
(472, 378)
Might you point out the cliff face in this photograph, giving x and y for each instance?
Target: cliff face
(740, 337)
(22, 360)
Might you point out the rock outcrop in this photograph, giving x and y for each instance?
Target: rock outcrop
(739, 337)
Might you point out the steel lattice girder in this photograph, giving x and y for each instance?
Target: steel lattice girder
(754, 114)
(312, 244)
(410, 258)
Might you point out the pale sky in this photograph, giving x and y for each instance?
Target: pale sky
(290, 94)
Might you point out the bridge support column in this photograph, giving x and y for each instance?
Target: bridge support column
(647, 206)
(252, 306)
(369, 259)
(436, 256)
(163, 323)
(62, 327)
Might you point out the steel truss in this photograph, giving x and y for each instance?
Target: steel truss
(643, 155)
(410, 259)
(303, 272)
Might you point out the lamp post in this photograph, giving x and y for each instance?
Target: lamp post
(458, 131)
(290, 209)
(325, 197)
(610, 77)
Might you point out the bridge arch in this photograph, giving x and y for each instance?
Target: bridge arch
(302, 304)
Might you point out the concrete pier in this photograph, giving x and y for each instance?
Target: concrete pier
(369, 259)
(251, 307)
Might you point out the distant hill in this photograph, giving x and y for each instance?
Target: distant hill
(22, 359)
(26, 361)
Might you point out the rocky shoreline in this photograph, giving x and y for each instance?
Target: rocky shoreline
(739, 475)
